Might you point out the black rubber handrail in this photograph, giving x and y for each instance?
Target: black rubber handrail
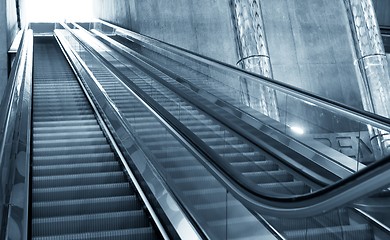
(362, 183)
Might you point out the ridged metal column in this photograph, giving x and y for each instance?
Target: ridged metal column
(375, 84)
(254, 56)
(371, 56)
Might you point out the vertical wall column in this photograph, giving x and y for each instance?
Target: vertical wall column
(254, 56)
(371, 56)
(375, 84)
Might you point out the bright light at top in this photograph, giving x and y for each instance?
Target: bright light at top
(297, 129)
(59, 10)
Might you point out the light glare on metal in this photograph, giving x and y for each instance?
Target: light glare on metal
(297, 129)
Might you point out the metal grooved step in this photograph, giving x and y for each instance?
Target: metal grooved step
(79, 190)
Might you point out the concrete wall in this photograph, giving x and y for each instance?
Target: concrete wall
(203, 26)
(382, 9)
(311, 47)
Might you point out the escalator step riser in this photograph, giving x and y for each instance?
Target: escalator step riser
(221, 209)
(204, 196)
(194, 183)
(71, 150)
(216, 141)
(73, 135)
(63, 93)
(52, 105)
(77, 180)
(334, 218)
(173, 163)
(156, 138)
(188, 171)
(65, 123)
(71, 159)
(64, 118)
(85, 206)
(64, 129)
(162, 145)
(238, 157)
(58, 101)
(221, 150)
(81, 192)
(39, 109)
(50, 87)
(67, 143)
(61, 113)
(255, 166)
(88, 223)
(295, 188)
(355, 232)
(145, 233)
(269, 176)
(75, 169)
(175, 153)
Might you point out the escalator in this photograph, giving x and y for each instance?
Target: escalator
(79, 189)
(256, 165)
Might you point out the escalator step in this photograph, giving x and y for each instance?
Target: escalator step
(335, 218)
(73, 135)
(78, 179)
(63, 129)
(289, 188)
(223, 209)
(356, 232)
(206, 195)
(145, 233)
(201, 182)
(243, 157)
(51, 170)
(85, 206)
(177, 152)
(80, 192)
(57, 151)
(54, 101)
(68, 143)
(171, 143)
(200, 127)
(88, 223)
(178, 162)
(266, 165)
(62, 118)
(269, 176)
(187, 171)
(71, 159)
(68, 113)
(223, 148)
(81, 106)
(216, 141)
(65, 123)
